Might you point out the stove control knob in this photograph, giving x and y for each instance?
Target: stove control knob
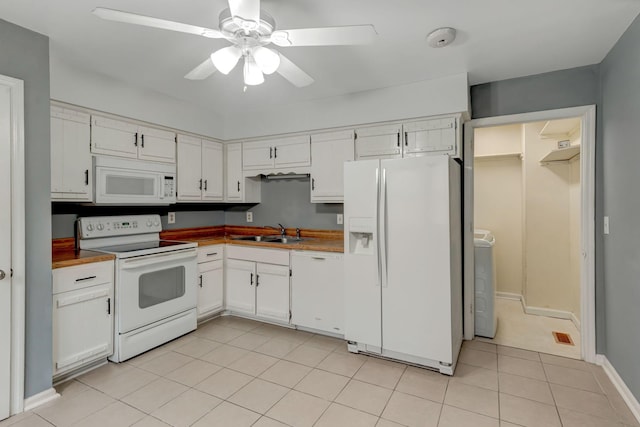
(149, 223)
(156, 223)
(90, 227)
(100, 227)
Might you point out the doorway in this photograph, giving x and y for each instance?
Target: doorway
(12, 248)
(529, 195)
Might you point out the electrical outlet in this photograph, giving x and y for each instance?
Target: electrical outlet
(340, 218)
(171, 218)
(249, 216)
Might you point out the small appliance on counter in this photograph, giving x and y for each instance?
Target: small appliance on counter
(155, 280)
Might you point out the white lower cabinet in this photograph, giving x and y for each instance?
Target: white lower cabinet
(82, 315)
(210, 280)
(317, 299)
(257, 282)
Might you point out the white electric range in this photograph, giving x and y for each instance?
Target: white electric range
(155, 280)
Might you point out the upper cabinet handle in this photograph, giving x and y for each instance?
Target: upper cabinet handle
(142, 139)
(205, 185)
(275, 152)
(406, 139)
(86, 177)
(398, 139)
(136, 141)
(271, 152)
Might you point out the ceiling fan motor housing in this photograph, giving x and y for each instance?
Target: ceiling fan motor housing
(229, 25)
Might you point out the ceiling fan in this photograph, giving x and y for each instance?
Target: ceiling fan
(249, 30)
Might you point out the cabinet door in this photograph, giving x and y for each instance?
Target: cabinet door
(272, 292)
(430, 136)
(380, 142)
(57, 155)
(157, 145)
(114, 137)
(257, 155)
(70, 155)
(188, 168)
(240, 288)
(292, 152)
(329, 152)
(317, 292)
(212, 171)
(234, 182)
(82, 326)
(210, 287)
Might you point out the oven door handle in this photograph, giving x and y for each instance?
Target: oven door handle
(145, 260)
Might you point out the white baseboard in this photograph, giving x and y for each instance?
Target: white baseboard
(40, 399)
(620, 385)
(509, 295)
(576, 321)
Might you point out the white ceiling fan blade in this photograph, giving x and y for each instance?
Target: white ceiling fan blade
(329, 36)
(202, 71)
(248, 10)
(148, 21)
(293, 73)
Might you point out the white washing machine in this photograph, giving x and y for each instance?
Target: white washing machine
(486, 318)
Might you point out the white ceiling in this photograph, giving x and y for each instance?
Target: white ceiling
(497, 39)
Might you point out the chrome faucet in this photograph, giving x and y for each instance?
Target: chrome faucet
(283, 232)
(297, 234)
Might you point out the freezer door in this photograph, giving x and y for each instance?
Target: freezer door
(361, 260)
(416, 292)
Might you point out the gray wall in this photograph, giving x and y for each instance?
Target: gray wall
(548, 91)
(621, 202)
(287, 202)
(558, 89)
(25, 55)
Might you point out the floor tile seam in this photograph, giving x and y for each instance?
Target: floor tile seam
(53, 403)
(37, 415)
(619, 416)
(458, 379)
(239, 406)
(476, 413)
(524, 376)
(273, 419)
(582, 412)
(601, 392)
(520, 357)
(479, 349)
(114, 401)
(386, 403)
(247, 384)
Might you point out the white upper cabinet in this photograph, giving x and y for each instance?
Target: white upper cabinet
(71, 175)
(430, 137)
(239, 189)
(379, 142)
(329, 151)
(200, 170)
(124, 139)
(276, 154)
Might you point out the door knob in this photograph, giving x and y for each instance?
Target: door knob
(2, 274)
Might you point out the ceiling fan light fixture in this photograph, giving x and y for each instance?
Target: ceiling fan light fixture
(267, 59)
(225, 59)
(252, 73)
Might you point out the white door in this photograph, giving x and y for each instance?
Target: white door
(114, 137)
(5, 250)
(291, 152)
(363, 310)
(272, 292)
(157, 145)
(188, 169)
(212, 171)
(210, 287)
(234, 181)
(379, 142)
(329, 152)
(257, 155)
(416, 290)
(240, 287)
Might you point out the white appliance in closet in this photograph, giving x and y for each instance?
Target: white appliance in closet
(403, 259)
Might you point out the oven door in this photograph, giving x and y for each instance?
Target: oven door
(128, 186)
(150, 288)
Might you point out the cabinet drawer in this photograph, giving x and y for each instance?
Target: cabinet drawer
(210, 253)
(203, 267)
(269, 256)
(82, 276)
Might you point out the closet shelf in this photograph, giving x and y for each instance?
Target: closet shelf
(561, 154)
(498, 156)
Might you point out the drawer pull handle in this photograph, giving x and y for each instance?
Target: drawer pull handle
(212, 254)
(85, 278)
(318, 258)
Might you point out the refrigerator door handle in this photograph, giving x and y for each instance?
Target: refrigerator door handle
(382, 230)
(379, 254)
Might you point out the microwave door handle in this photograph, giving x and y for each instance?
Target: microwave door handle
(161, 189)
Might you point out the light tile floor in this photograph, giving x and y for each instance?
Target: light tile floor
(531, 332)
(234, 372)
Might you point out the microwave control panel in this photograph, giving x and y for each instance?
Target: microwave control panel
(169, 187)
(109, 226)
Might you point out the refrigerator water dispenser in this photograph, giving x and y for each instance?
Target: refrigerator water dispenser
(361, 236)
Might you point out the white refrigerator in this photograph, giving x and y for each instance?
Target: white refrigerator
(403, 259)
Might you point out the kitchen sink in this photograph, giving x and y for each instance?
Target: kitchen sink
(269, 239)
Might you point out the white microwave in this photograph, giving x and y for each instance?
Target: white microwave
(133, 182)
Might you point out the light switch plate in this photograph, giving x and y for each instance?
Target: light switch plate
(249, 216)
(606, 225)
(171, 218)
(340, 218)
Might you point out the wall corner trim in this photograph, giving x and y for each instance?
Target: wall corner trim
(40, 399)
(620, 385)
